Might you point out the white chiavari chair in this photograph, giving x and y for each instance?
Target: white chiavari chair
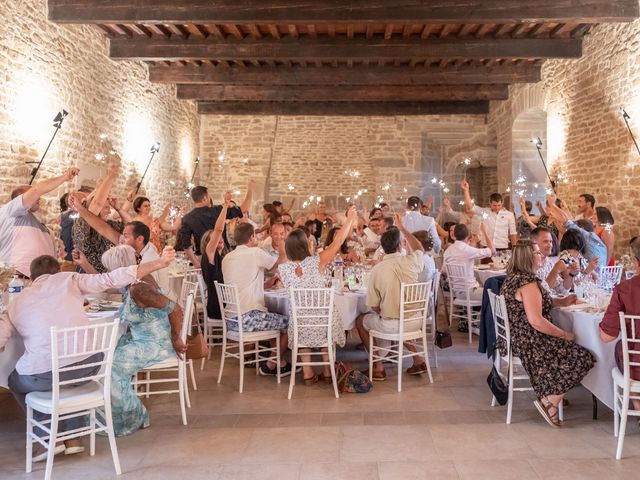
(461, 306)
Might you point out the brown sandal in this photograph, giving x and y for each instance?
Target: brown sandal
(544, 410)
(310, 381)
(325, 379)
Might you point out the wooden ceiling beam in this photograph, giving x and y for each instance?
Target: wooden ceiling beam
(330, 11)
(340, 48)
(373, 75)
(344, 108)
(350, 93)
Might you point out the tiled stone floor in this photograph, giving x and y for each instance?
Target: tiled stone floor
(439, 431)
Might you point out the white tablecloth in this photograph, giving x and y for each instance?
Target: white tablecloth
(175, 280)
(482, 275)
(15, 347)
(349, 304)
(585, 325)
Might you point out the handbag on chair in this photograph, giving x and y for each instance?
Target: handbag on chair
(443, 339)
(197, 346)
(497, 386)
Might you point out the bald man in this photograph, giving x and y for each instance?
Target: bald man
(22, 236)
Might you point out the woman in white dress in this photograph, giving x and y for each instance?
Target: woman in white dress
(305, 271)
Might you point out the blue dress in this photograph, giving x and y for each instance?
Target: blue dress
(147, 342)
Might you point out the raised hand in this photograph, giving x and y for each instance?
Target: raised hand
(352, 214)
(168, 255)
(446, 203)
(71, 173)
(464, 185)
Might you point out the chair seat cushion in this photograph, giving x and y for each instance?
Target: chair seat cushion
(72, 399)
(395, 336)
(253, 336)
(169, 362)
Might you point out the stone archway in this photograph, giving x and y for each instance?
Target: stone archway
(528, 175)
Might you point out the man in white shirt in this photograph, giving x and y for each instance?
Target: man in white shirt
(461, 253)
(414, 221)
(245, 267)
(22, 236)
(500, 223)
(383, 293)
(56, 299)
(274, 246)
(552, 272)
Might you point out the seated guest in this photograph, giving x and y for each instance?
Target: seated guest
(554, 363)
(22, 236)
(306, 271)
(346, 252)
(429, 264)
(154, 324)
(135, 234)
(312, 227)
(157, 225)
(572, 248)
(414, 221)
(244, 268)
(55, 299)
(625, 299)
(461, 253)
(385, 224)
(552, 272)
(371, 235)
(383, 294)
(274, 246)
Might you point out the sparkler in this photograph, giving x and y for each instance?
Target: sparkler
(626, 118)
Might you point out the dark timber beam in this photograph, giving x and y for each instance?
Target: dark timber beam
(329, 49)
(288, 93)
(360, 75)
(343, 11)
(344, 108)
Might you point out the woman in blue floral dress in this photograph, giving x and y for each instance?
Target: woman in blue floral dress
(154, 324)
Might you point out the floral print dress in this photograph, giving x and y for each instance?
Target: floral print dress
(147, 343)
(554, 365)
(311, 278)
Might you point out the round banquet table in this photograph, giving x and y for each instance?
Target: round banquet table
(349, 304)
(584, 324)
(482, 275)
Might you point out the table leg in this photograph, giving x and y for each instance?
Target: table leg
(595, 406)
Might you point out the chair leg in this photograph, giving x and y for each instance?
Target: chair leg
(278, 376)
(222, 357)
(400, 357)
(426, 355)
(371, 353)
(332, 366)
(493, 401)
(193, 375)
(623, 426)
(204, 359)
(29, 465)
(183, 392)
(257, 357)
(147, 385)
(294, 362)
(241, 354)
(510, 394)
(616, 411)
(469, 324)
(92, 435)
(52, 445)
(112, 436)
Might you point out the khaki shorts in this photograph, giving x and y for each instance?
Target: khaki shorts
(373, 321)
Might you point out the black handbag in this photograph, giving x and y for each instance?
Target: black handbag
(443, 339)
(497, 386)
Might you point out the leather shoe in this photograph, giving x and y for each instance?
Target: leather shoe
(417, 369)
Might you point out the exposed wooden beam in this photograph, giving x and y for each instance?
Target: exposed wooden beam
(373, 75)
(331, 48)
(344, 108)
(355, 11)
(247, 93)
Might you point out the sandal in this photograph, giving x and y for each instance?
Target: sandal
(546, 414)
(325, 378)
(310, 381)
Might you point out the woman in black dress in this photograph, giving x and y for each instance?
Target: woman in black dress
(554, 362)
(213, 249)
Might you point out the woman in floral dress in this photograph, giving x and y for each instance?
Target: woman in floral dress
(305, 271)
(154, 335)
(554, 362)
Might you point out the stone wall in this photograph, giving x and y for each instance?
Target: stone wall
(587, 140)
(47, 67)
(302, 157)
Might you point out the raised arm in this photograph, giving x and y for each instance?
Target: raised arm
(101, 193)
(124, 215)
(43, 187)
(412, 242)
(246, 203)
(216, 235)
(468, 202)
(94, 221)
(525, 215)
(487, 238)
(332, 249)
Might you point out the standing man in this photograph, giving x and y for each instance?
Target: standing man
(500, 223)
(203, 217)
(22, 236)
(587, 208)
(414, 221)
